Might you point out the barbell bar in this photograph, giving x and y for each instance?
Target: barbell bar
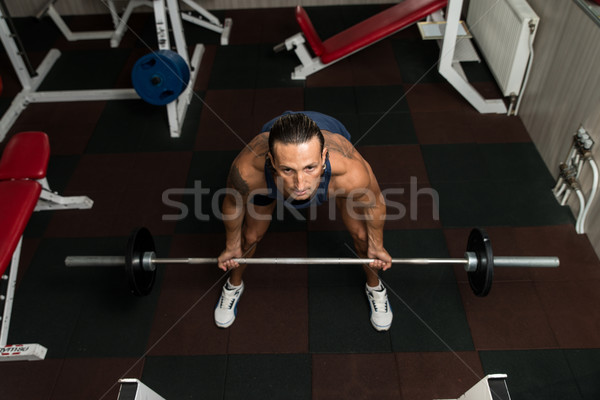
(140, 261)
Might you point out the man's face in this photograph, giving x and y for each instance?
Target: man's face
(299, 167)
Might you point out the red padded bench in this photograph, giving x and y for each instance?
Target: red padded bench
(355, 38)
(24, 160)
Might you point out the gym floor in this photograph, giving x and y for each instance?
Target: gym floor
(301, 332)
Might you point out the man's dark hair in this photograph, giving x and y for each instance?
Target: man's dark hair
(294, 129)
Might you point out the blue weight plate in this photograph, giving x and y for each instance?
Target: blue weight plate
(160, 77)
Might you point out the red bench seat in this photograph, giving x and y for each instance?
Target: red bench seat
(17, 201)
(25, 156)
(368, 31)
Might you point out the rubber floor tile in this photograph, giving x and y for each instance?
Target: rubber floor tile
(272, 376)
(179, 377)
(533, 374)
(343, 376)
(437, 375)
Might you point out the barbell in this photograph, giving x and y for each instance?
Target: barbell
(140, 261)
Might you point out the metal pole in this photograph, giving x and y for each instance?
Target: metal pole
(327, 261)
(530, 262)
(499, 261)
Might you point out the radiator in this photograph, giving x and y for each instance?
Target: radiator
(504, 31)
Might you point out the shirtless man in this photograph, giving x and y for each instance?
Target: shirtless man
(302, 159)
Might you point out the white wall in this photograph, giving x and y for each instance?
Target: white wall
(564, 90)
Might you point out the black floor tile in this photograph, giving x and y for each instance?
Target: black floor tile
(275, 69)
(228, 72)
(136, 126)
(36, 34)
(584, 366)
(533, 374)
(417, 60)
(384, 129)
(268, 376)
(339, 320)
(86, 70)
(493, 184)
(499, 203)
(198, 34)
(81, 312)
(381, 99)
(418, 294)
(331, 100)
(179, 377)
(477, 72)
(204, 191)
(333, 244)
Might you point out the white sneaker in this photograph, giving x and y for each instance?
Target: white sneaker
(381, 311)
(226, 308)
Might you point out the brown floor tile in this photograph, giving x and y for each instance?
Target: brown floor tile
(339, 73)
(95, 378)
(271, 26)
(511, 317)
(273, 315)
(577, 257)
(436, 97)
(206, 64)
(372, 66)
(411, 206)
(272, 319)
(425, 376)
(184, 323)
(355, 376)
(572, 309)
(395, 164)
(273, 311)
(270, 103)
(468, 126)
(226, 121)
(28, 249)
(18, 378)
(127, 191)
(375, 65)
(69, 125)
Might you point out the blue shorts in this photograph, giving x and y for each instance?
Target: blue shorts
(324, 122)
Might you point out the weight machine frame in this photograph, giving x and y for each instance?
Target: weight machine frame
(31, 80)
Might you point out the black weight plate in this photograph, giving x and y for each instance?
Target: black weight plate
(140, 280)
(481, 278)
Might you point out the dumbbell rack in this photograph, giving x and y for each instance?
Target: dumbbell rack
(31, 80)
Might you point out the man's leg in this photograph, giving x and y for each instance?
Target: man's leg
(256, 224)
(381, 311)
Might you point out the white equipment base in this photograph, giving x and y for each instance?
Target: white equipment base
(23, 352)
(133, 389)
(205, 20)
(491, 387)
(176, 110)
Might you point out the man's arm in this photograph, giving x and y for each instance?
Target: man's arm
(244, 176)
(366, 196)
(234, 208)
